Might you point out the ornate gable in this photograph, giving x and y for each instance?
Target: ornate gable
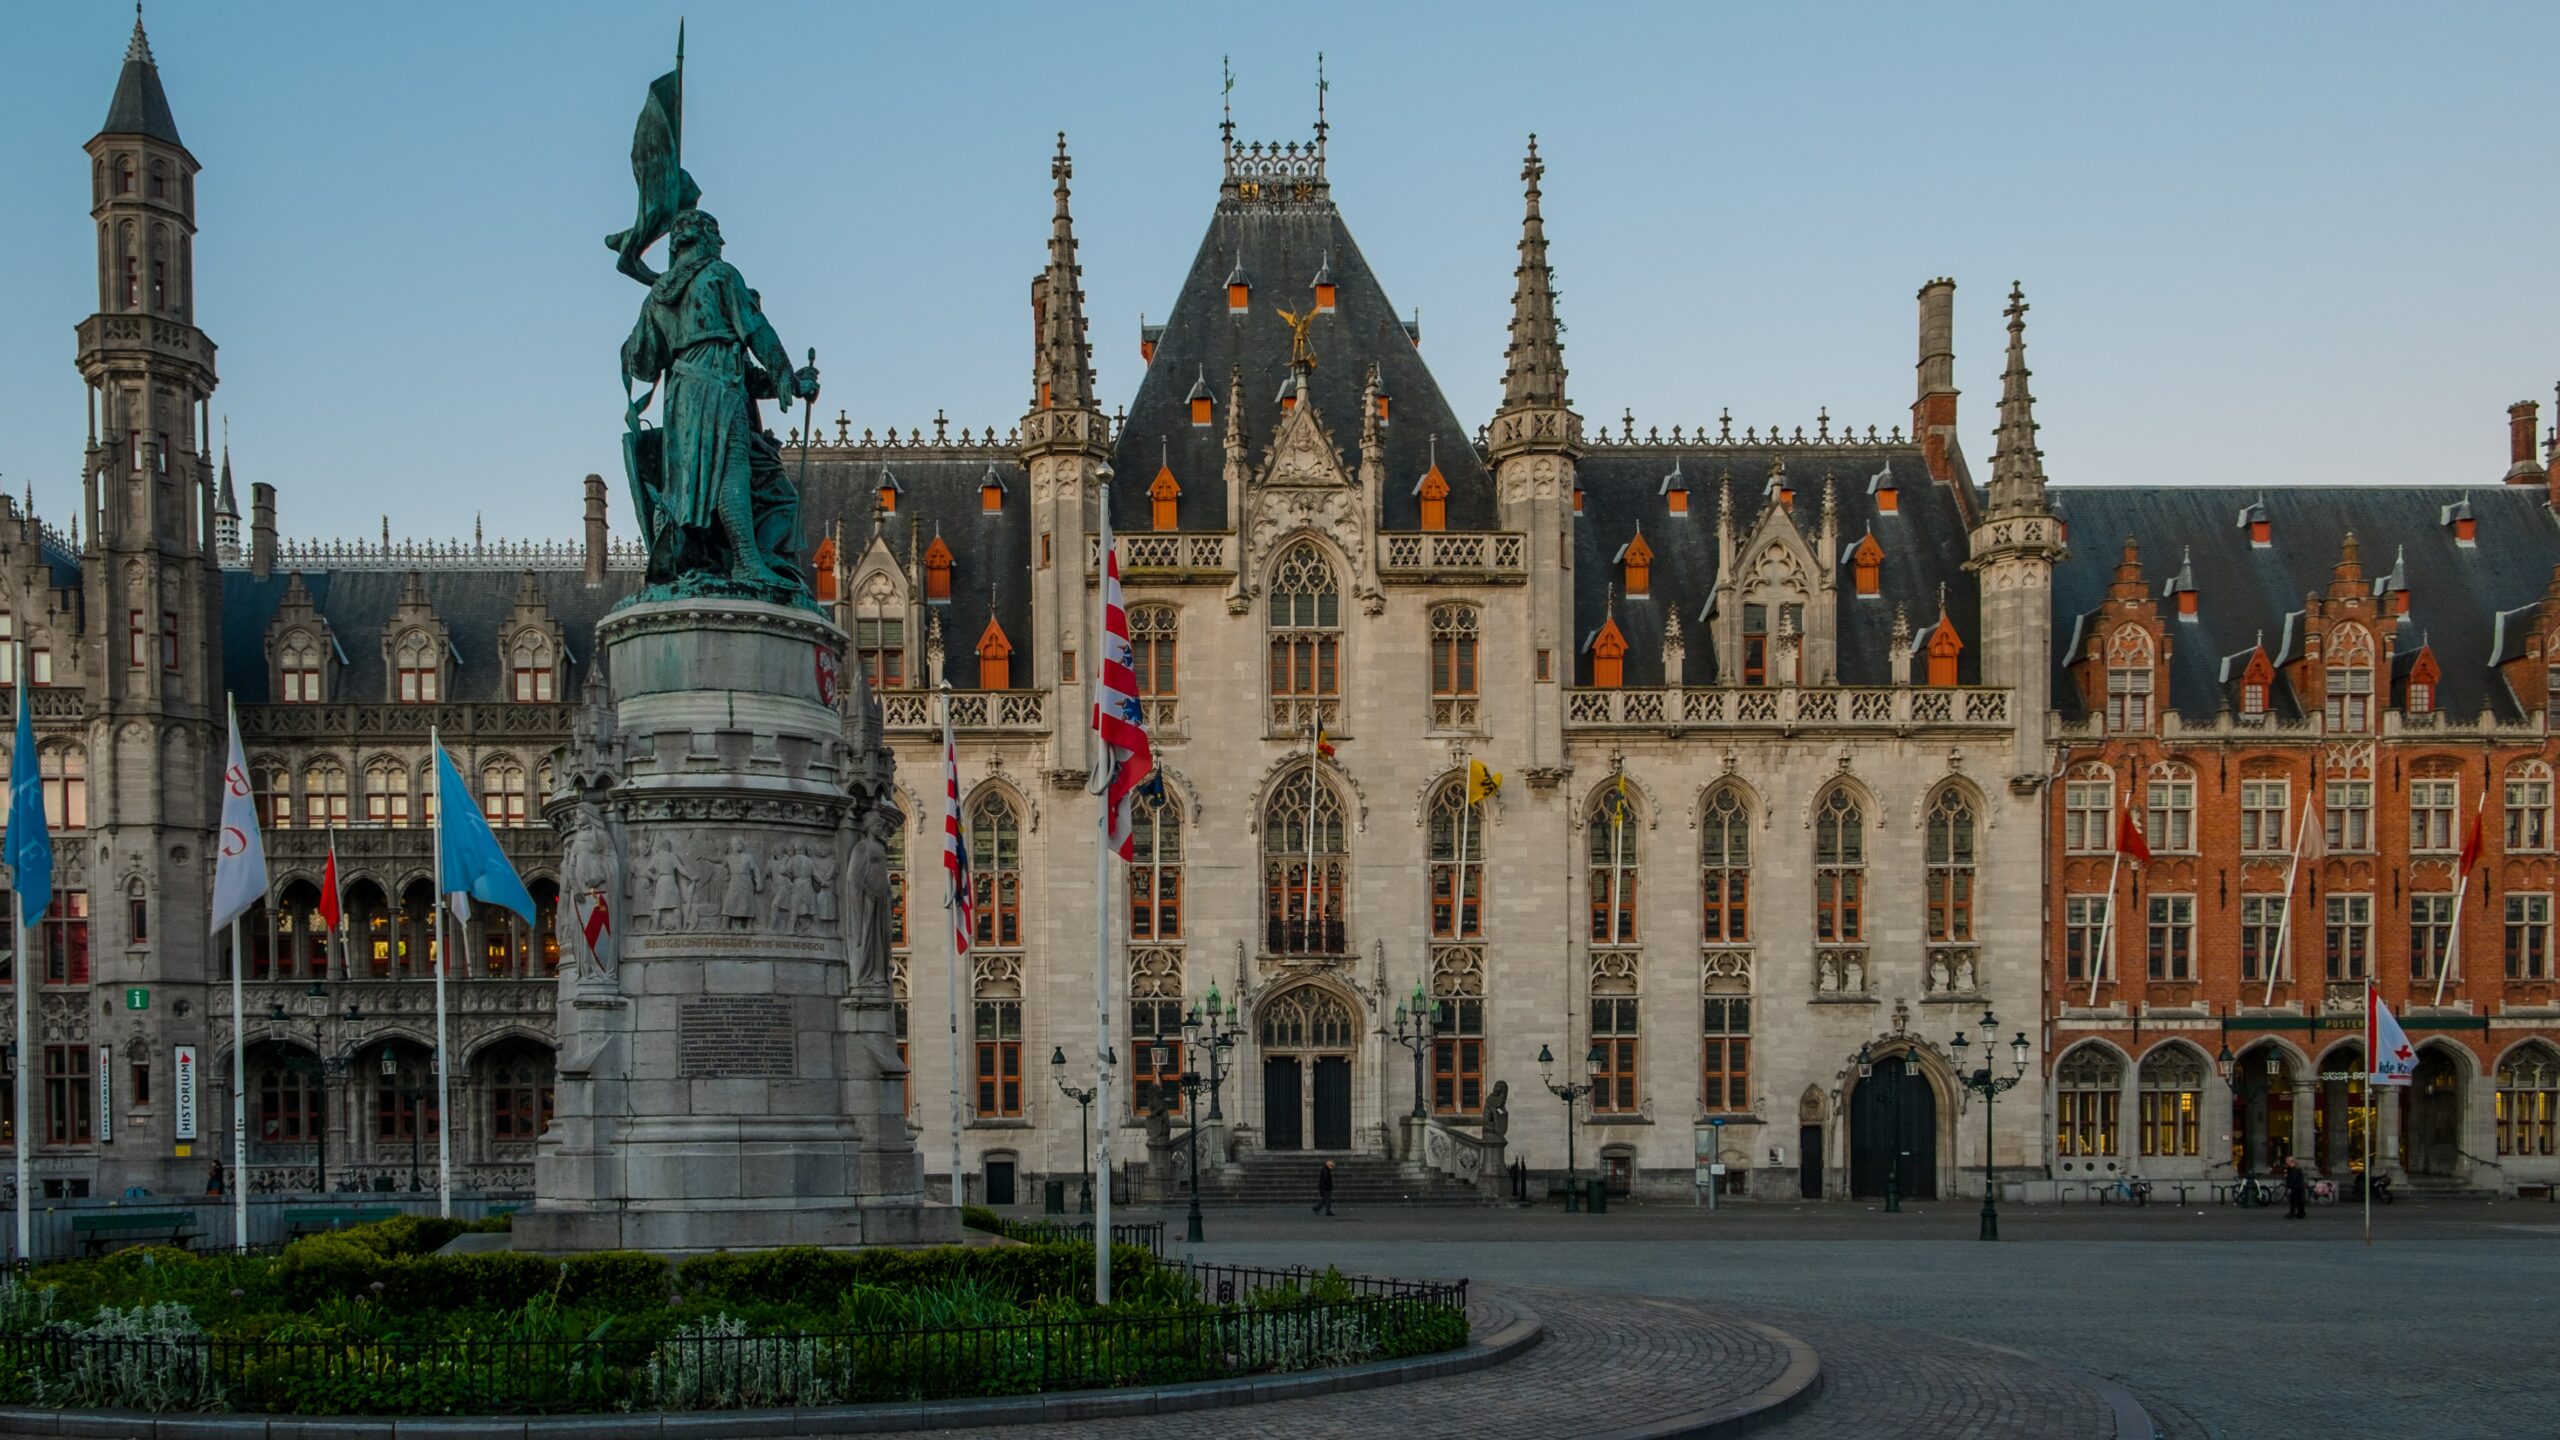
(533, 649)
(417, 648)
(303, 659)
(1303, 487)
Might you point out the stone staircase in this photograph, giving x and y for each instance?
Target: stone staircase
(1359, 1182)
(2423, 1188)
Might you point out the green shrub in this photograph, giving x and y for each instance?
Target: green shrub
(155, 1359)
(979, 1217)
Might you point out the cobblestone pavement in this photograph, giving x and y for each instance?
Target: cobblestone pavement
(1885, 1384)
(1608, 1363)
(2224, 1324)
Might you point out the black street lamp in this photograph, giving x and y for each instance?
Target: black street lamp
(1220, 1037)
(415, 1097)
(1417, 1025)
(1893, 1146)
(1084, 1126)
(1569, 1093)
(1987, 1085)
(320, 1067)
(1190, 1084)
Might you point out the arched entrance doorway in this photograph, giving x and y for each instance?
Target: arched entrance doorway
(1893, 1122)
(2261, 1109)
(2431, 1123)
(2338, 1124)
(1307, 1038)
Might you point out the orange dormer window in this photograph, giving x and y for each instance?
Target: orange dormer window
(1944, 646)
(2261, 533)
(2187, 604)
(1324, 297)
(1434, 491)
(1866, 566)
(2466, 531)
(1888, 500)
(1048, 397)
(888, 501)
(1199, 409)
(1679, 502)
(1638, 560)
(990, 497)
(1162, 494)
(2423, 675)
(1239, 296)
(1146, 352)
(937, 570)
(1577, 499)
(2257, 679)
(995, 658)
(1382, 407)
(824, 563)
(1288, 401)
(1608, 657)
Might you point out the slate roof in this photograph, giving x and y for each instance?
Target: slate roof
(990, 552)
(473, 604)
(2456, 592)
(1281, 247)
(140, 106)
(1925, 545)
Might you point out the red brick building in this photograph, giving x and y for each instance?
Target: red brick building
(2382, 666)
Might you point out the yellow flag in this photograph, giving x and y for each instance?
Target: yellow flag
(1481, 782)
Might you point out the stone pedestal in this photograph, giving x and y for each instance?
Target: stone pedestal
(732, 1080)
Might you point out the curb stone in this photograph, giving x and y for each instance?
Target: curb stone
(1796, 1387)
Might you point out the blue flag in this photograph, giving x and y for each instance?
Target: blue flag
(29, 845)
(473, 863)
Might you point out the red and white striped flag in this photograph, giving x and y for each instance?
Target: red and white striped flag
(962, 902)
(1128, 761)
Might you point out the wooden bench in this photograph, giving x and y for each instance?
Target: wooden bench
(312, 1219)
(2534, 1192)
(98, 1230)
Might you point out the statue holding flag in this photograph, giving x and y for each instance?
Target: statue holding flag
(716, 511)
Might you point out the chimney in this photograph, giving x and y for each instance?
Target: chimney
(262, 531)
(595, 530)
(1933, 409)
(2524, 427)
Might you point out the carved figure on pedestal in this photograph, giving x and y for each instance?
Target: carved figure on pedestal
(1938, 976)
(822, 888)
(1497, 1111)
(669, 881)
(591, 882)
(738, 891)
(869, 881)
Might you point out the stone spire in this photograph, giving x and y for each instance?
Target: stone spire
(2017, 466)
(1062, 367)
(140, 106)
(1534, 373)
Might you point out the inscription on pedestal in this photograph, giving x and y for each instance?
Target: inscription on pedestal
(735, 1038)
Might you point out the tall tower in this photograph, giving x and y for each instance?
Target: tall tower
(2015, 545)
(1536, 441)
(1066, 448)
(150, 584)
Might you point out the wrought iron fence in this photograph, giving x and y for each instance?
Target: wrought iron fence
(1254, 1322)
(1148, 1235)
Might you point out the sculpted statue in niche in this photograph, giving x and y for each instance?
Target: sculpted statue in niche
(1966, 981)
(1938, 976)
(871, 886)
(740, 886)
(1497, 1110)
(591, 885)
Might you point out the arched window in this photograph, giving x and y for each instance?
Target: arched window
(159, 179)
(324, 794)
(1457, 863)
(1305, 615)
(2348, 680)
(1724, 869)
(1839, 869)
(298, 669)
(301, 945)
(427, 793)
(1950, 885)
(404, 1097)
(124, 174)
(414, 663)
(532, 673)
(2528, 1101)
(137, 912)
(1304, 860)
(2172, 1101)
(271, 790)
(2129, 681)
(1612, 830)
(995, 868)
(1307, 1018)
(1151, 648)
(1155, 874)
(897, 848)
(502, 792)
(2088, 1087)
(66, 786)
(386, 792)
(1453, 666)
(288, 1103)
(520, 1093)
(2528, 806)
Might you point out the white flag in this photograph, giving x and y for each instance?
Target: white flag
(240, 853)
(2395, 1061)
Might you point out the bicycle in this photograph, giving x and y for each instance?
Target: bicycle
(2249, 1192)
(2131, 1189)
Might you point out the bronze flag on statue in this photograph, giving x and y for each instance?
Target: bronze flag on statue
(657, 163)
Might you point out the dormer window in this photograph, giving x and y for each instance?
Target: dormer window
(1608, 657)
(2457, 517)
(1288, 396)
(1324, 287)
(1866, 566)
(2348, 681)
(1149, 337)
(1636, 560)
(1239, 290)
(2253, 697)
(937, 570)
(2420, 697)
(2129, 681)
(298, 669)
(890, 490)
(991, 492)
(1199, 400)
(1163, 496)
(1945, 646)
(1381, 398)
(416, 674)
(1433, 489)
(1675, 491)
(2254, 520)
(1888, 496)
(995, 658)
(822, 565)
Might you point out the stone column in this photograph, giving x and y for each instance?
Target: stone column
(2305, 1095)
(2388, 1159)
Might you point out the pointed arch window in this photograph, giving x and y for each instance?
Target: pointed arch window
(2528, 806)
(2088, 1086)
(995, 861)
(124, 175)
(1457, 863)
(386, 793)
(532, 669)
(1304, 862)
(324, 794)
(1153, 631)
(2529, 1101)
(1454, 629)
(2348, 681)
(298, 669)
(1951, 873)
(995, 658)
(1613, 836)
(937, 570)
(2129, 678)
(2172, 1101)
(1304, 611)
(1724, 869)
(1839, 869)
(415, 671)
(502, 792)
(271, 790)
(1155, 871)
(65, 772)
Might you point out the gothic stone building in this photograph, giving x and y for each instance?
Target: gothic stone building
(1778, 701)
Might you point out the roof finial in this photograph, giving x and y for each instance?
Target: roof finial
(1226, 102)
(139, 48)
(1321, 87)
(2017, 466)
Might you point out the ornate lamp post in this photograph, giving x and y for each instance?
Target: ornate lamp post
(1987, 1085)
(1417, 1025)
(1570, 1093)
(1221, 1039)
(319, 1068)
(1190, 1084)
(1893, 1122)
(415, 1097)
(1084, 1127)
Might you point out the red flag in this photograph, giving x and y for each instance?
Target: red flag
(2129, 839)
(2471, 842)
(1119, 721)
(329, 912)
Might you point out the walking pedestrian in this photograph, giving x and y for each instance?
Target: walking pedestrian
(2297, 1190)
(1324, 1189)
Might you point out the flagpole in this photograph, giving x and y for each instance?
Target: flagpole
(239, 1058)
(2284, 923)
(1100, 657)
(1617, 854)
(1307, 933)
(2372, 1067)
(1466, 812)
(2461, 891)
(437, 959)
(954, 902)
(2106, 929)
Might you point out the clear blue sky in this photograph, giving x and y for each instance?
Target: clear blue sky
(2264, 245)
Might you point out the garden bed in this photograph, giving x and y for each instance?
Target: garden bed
(370, 1321)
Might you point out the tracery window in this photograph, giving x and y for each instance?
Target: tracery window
(1951, 861)
(1453, 666)
(1612, 833)
(324, 794)
(2088, 1086)
(2129, 680)
(1724, 869)
(416, 675)
(298, 669)
(1456, 876)
(1304, 862)
(1155, 874)
(502, 793)
(2528, 1101)
(65, 771)
(531, 668)
(386, 793)
(1839, 869)
(2348, 680)
(995, 868)
(2172, 1101)
(1304, 610)
(1152, 637)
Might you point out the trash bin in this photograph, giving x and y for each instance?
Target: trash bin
(1596, 1192)
(1053, 1197)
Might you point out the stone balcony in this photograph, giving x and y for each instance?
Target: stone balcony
(1167, 558)
(1455, 558)
(460, 725)
(973, 712)
(1791, 709)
